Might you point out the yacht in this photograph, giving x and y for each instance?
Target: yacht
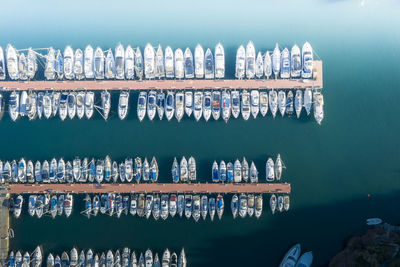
(211, 208)
(209, 64)
(179, 64)
(220, 206)
(234, 205)
(76, 165)
(259, 65)
(133, 205)
(55, 99)
(240, 67)
(129, 169)
(270, 170)
(160, 104)
(148, 205)
(71, 105)
(235, 104)
(169, 105)
(89, 62)
(286, 203)
(2, 65)
(259, 206)
(105, 103)
(160, 69)
(267, 65)
(109, 68)
(172, 205)
(250, 205)
(107, 169)
(153, 170)
(68, 63)
(32, 65)
(307, 59)
(255, 102)
(18, 206)
(289, 103)
(109, 259)
(68, 203)
(263, 103)
(222, 171)
(59, 65)
(291, 256)
(22, 66)
(148, 258)
(37, 257)
(79, 64)
(129, 67)
(179, 106)
(89, 104)
(245, 108)
(47, 105)
(273, 102)
(119, 62)
(298, 102)
(295, 62)
(99, 63)
(183, 170)
(226, 106)
(207, 105)
(164, 211)
(237, 171)
(199, 61)
(245, 170)
(149, 62)
(22, 171)
(175, 171)
(318, 107)
(250, 60)
(138, 63)
(192, 169)
(215, 172)
(285, 64)
(204, 206)
(169, 62)
(216, 104)
(188, 206)
(38, 170)
(219, 61)
(12, 62)
(166, 259)
(123, 104)
(229, 172)
(198, 105)
(63, 106)
(49, 69)
(305, 260)
(276, 61)
(39, 103)
(196, 208)
(29, 172)
(308, 100)
(80, 104)
(188, 103)
(151, 104)
(13, 105)
(99, 171)
(53, 170)
(243, 205)
(141, 106)
(280, 203)
(282, 102)
(189, 66)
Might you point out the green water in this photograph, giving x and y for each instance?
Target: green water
(331, 167)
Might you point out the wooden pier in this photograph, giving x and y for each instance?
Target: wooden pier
(196, 188)
(166, 84)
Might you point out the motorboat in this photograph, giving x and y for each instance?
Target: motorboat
(192, 169)
(53, 170)
(286, 203)
(220, 206)
(114, 171)
(141, 205)
(2, 65)
(209, 64)
(148, 205)
(89, 104)
(138, 63)
(12, 62)
(169, 105)
(179, 105)
(172, 205)
(129, 63)
(59, 65)
(156, 208)
(270, 170)
(196, 208)
(318, 107)
(23, 101)
(105, 104)
(182, 262)
(267, 65)
(198, 105)
(80, 104)
(79, 65)
(88, 62)
(89, 258)
(276, 61)
(160, 104)
(188, 206)
(160, 69)
(273, 102)
(278, 167)
(307, 58)
(91, 171)
(141, 106)
(254, 102)
(63, 106)
(60, 205)
(18, 206)
(133, 260)
(76, 169)
(285, 64)
(179, 64)
(39, 204)
(49, 69)
(149, 61)
(199, 61)
(29, 172)
(240, 67)
(119, 62)
(245, 170)
(169, 62)
(263, 103)
(207, 105)
(71, 105)
(148, 258)
(188, 62)
(133, 204)
(226, 106)
(37, 257)
(99, 63)
(47, 105)
(211, 208)
(107, 169)
(50, 260)
(145, 171)
(237, 172)
(280, 203)
(68, 203)
(258, 206)
(22, 171)
(88, 206)
(96, 205)
(118, 205)
(183, 170)
(99, 171)
(123, 104)
(188, 103)
(30, 106)
(55, 99)
(229, 172)
(153, 170)
(253, 173)
(166, 259)
(68, 172)
(250, 60)
(164, 211)
(259, 65)
(373, 221)
(216, 104)
(219, 61)
(204, 206)
(295, 62)
(68, 63)
(250, 205)
(291, 256)
(246, 102)
(308, 100)
(235, 96)
(14, 171)
(289, 103)
(282, 102)
(234, 205)
(242, 205)
(109, 68)
(215, 172)
(174, 260)
(138, 169)
(38, 170)
(298, 102)
(111, 204)
(222, 171)
(22, 66)
(305, 260)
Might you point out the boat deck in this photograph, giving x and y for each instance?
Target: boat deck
(166, 84)
(194, 188)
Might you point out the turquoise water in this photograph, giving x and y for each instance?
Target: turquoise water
(331, 167)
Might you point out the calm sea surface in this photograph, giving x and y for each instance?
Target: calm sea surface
(332, 167)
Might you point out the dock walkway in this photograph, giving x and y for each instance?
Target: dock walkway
(4, 225)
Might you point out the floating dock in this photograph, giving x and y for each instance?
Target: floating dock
(166, 84)
(196, 188)
(4, 226)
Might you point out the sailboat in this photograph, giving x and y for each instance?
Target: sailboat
(119, 62)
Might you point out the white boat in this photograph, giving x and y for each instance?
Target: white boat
(160, 102)
(49, 69)
(282, 102)
(109, 69)
(237, 171)
(79, 65)
(226, 106)
(68, 204)
(47, 105)
(160, 69)
(170, 105)
(55, 100)
(259, 65)
(169, 62)
(209, 64)
(270, 170)
(245, 108)
(60, 171)
(235, 96)
(307, 100)
(373, 221)
(59, 65)
(123, 104)
(141, 106)
(189, 66)
(105, 103)
(298, 102)
(289, 103)
(207, 105)
(151, 104)
(89, 62)
(31, 64)
(172, 205)
(71, 105)
(219, 61)
(307, 60)
(291, 257)
(119, 62)
(22, 103)
(32, 205)
(129, 67)
(199, 61)
(286, 203)
(37, 257)
(278, 167)
(267, 64)
(179, 106)
(196, 208)
(63, 106)
(68, 63)
(276, 61)
(216, 104)
(250, 205)
(89, 104)
(179, 64)
(183, 170)
(240, 67)
(250, 60)
(211, 208)
(99, 63)
(166, 259)
(253, 173)
(234, 206)
(285, 64)
(245, 170)
(12, 62)
(80, 104)
(138, 63)
(318, 107)
(76, 169)
(22, 66)
(2, 65)
(243, 205)
(188, 206)
(188, 103)
(204, 206)
(295, 62)
(259, 206)
(148, 258)
(18, 206)
(164, 211)
(13, 105)
(198, 105)
(263, 103)
(149, 62)
(305, 260)
(254, 103)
